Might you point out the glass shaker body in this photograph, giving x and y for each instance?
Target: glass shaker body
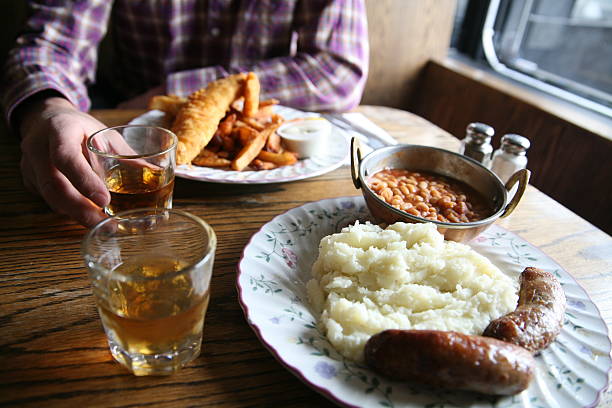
(477, 143)
(510, 157)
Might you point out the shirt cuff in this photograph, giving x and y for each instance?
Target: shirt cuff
(35, 82)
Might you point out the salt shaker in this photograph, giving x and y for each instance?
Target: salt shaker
(477, 143)
(511, 156)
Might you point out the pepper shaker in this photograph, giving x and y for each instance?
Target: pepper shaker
(477, 143)
(511, 156)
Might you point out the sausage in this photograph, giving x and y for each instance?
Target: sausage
(451, 360)
(538, 318)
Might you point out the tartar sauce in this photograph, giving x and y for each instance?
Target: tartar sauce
(306, 137)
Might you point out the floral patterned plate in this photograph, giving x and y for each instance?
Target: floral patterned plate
(335, 155)
(275, 266)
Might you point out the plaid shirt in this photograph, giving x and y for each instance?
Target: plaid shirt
(309, 54)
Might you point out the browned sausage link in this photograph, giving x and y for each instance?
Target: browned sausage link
(537, 320)
(451, 360)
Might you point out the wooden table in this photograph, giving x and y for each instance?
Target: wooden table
(52, 348)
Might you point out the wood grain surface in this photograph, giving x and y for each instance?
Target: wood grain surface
(53, 352)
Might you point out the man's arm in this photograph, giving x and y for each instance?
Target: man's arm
(53, 162)
(44, 92)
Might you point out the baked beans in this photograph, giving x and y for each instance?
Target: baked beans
(429, 196)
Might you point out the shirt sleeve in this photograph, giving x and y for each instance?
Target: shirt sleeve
(56, 50)
(326, 73)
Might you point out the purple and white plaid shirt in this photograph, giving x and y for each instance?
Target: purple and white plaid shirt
(309, 54)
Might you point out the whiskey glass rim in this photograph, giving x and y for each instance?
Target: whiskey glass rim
(208, 251)
(101, 153)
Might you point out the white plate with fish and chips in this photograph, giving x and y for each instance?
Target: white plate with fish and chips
(334, 155)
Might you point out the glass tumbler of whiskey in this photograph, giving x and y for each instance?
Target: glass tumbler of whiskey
(150, 272)
(137, 165)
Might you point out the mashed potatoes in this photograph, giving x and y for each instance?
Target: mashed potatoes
(368, 279)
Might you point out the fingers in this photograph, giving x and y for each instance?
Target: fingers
(65, 199)
(113, 142)
(54, 165)
(68, 158)
(67, 155)
(40, 177)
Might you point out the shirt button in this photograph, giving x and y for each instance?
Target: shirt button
(215, 31)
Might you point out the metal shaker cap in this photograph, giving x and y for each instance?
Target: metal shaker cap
(515, 143)
(480, 131)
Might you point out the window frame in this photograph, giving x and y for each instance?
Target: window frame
(483, 18)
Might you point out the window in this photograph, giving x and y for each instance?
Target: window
(563, 47)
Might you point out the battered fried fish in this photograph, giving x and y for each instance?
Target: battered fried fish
(198, 119)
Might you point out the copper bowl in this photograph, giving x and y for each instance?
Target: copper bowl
(444, 163)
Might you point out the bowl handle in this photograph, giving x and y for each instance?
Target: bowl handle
(522, 176)
(355, 161)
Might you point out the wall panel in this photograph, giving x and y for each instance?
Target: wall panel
(404, 35)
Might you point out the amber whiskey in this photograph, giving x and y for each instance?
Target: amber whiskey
(139, 187)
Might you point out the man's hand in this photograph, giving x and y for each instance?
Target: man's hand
(54, 158)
